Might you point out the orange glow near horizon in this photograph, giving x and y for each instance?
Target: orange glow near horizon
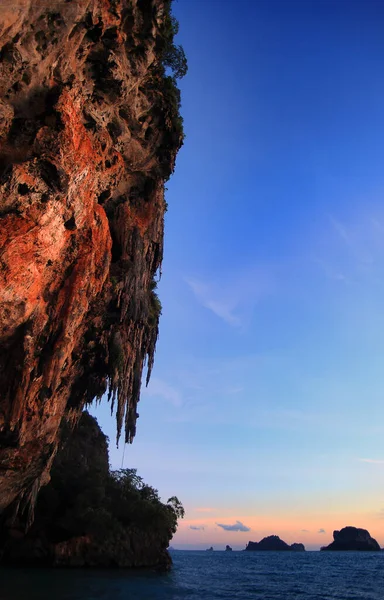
(306, 529)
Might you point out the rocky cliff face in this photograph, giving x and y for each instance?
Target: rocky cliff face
(88, 136)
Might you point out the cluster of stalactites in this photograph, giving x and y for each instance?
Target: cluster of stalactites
(134, 339)
(124, 389)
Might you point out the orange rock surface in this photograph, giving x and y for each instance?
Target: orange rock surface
(86, 143)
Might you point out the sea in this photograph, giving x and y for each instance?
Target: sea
(211, 576)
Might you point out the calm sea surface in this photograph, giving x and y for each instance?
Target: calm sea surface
(210, 576)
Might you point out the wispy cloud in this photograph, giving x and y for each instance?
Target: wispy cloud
(321, 531)
(352, 251)
(232, 298)
(197, 527)
(238, 526)
(331, 271)
(372, 461)
(234, 390)
(161, 389)
(290, 415)
(359, 245)
(305, 530)
(222, 308)
(341, 230)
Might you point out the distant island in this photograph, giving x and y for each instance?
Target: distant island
(228, 548)
(273, 543)
(209, 549)
(352, 538)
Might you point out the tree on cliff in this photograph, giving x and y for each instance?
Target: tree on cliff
(121, 519)
(173, 56)
(175, 59)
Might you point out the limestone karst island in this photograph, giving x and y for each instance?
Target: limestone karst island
(90, 129)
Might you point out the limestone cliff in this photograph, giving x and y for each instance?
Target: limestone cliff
(89, 131)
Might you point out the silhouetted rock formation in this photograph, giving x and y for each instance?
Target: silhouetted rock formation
(273, 543)
(210, 549)
(297, 547)
(352, 538)
(228, 548)
(89, 517)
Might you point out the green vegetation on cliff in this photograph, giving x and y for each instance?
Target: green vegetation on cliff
(90, 516)
(172, 58)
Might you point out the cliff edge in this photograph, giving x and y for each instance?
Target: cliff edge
(89, 132)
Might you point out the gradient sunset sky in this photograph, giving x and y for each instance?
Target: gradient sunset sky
(265, 412)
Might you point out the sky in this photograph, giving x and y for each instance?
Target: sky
(265, 411)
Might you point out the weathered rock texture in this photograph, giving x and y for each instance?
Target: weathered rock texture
(274, 544)
(87, 139)
(352, 538)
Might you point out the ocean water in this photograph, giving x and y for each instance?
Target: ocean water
(211, 576)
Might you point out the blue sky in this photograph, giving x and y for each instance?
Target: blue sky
(265, 405)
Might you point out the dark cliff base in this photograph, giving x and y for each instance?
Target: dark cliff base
(89, 517)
